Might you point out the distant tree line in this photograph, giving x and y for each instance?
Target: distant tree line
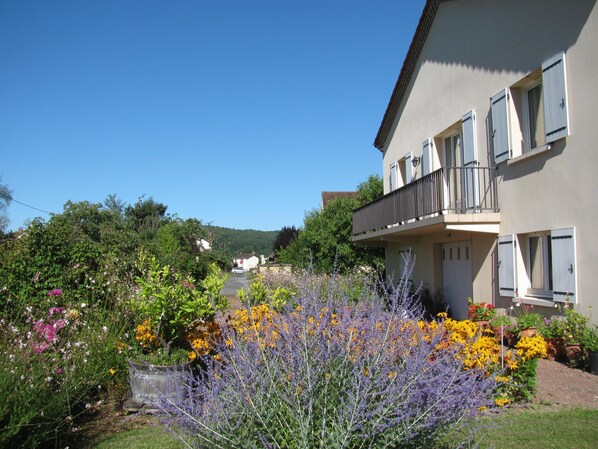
(236, 241)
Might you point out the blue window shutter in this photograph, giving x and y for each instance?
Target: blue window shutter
(393, 176)
(506, 265)
(408, 168)
(470, 162)
(427, 157)
(564, 266)
(554, 89)
(501, 139)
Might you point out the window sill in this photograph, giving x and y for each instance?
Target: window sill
(529, 154)
(533, 301)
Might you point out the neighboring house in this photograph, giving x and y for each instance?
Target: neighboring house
(246, 261)
(203, 245)
(329, 196)
(490, 161)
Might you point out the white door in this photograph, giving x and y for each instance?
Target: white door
(457, 277)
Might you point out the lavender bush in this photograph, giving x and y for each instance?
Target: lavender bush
(329, 373)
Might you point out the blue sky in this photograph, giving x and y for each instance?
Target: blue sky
(238, 113)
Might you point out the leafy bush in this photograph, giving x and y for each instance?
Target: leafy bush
(330, 372)
(168, 304)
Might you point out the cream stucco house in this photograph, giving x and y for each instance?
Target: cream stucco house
(489, 157)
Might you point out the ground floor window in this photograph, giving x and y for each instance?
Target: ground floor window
(539, 264)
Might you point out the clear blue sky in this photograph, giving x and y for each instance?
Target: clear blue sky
(238, 113)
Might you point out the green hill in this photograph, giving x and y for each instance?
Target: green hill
(235, 241)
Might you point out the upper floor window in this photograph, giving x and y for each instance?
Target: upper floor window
(532, 112)
(533, 115)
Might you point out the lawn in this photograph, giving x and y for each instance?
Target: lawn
(530, 429)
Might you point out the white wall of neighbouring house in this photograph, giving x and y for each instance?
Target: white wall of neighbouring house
(252, 262)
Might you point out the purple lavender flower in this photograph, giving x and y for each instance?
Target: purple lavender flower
(339, 373)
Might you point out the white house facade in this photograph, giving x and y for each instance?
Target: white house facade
(489, 160)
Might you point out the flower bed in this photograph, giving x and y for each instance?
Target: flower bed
(329, 371)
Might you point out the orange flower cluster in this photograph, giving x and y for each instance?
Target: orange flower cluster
(204, 338)
(146, 336)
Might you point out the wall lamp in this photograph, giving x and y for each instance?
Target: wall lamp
(415, 161)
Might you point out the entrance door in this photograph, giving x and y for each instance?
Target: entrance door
(457, 277)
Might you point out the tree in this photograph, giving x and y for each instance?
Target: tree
(326, 242)
(114, 204)
(284, 237)
(5, 199)
(146, 215)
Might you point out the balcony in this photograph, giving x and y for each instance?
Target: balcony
(433, 199)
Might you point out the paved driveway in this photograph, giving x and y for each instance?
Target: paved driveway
(235, 282)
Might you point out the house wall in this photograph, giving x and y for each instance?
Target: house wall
(427, 269)
(469, 56)
(475, 49)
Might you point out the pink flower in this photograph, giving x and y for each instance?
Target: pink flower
(59, 324)
(39, 348)
(55, 310)
(56, 292)
(49, 333)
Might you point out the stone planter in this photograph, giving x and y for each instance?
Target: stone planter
(148, 382)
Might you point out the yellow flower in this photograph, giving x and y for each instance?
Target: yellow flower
(112, 371)
(502, 401)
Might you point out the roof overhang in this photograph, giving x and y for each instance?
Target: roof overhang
(486, 223)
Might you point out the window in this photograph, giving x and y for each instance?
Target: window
(460, 162)
(543, 266)
(393, 176)
(533, 117)
(539, 265)
(406, 169)
(533, 111)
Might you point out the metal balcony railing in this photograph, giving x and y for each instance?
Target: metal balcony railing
(447, 190)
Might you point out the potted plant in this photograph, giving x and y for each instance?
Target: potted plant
(501, 325)
(480, 312)
(553, 331)
(167, 306)
(528, 321)
(589, 343)
(575, 328)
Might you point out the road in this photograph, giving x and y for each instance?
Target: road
(235, 282)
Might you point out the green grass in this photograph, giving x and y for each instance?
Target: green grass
(144, 438)
(529, 429)
(540, 429)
